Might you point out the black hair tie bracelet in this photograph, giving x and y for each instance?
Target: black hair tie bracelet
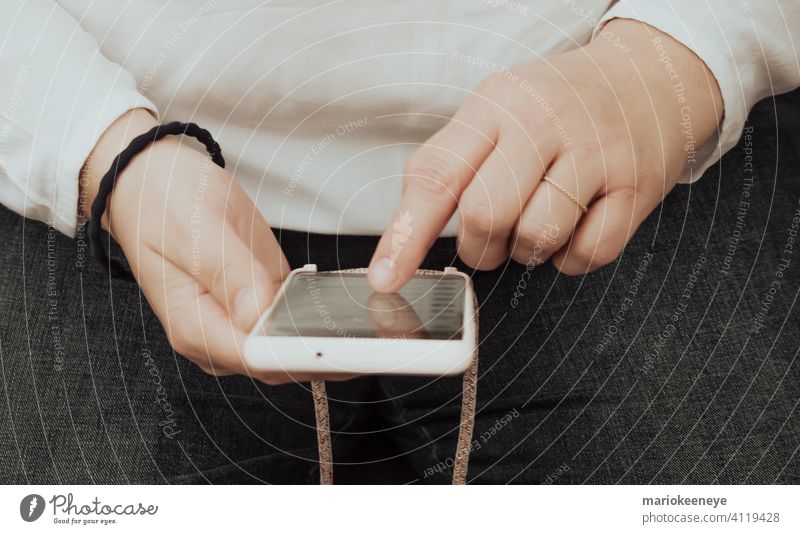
(119, 164)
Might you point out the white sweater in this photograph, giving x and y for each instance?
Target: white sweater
(318, 103)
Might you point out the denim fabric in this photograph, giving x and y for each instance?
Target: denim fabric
(675, 364)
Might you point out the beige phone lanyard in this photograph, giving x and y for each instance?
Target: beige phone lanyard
(467, 423)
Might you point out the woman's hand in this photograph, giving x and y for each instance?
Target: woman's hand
(205, 259)
(613, 124)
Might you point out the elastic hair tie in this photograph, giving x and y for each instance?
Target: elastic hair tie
(111, 266)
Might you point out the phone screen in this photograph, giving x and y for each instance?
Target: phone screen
(344, 305)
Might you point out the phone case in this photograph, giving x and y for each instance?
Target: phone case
(337, 354)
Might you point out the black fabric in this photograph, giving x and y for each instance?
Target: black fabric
(676, 364)
(119, 164)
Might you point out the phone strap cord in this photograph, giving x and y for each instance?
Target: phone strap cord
(469, 393)
(322, 416)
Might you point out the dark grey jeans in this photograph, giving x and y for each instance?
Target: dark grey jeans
(676, 364)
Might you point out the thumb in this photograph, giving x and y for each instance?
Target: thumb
(229, 270)
(245, 287)
(435, 177)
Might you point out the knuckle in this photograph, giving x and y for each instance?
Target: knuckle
(567, 268)
(526, 257)
(582, 253)
(535, 242)
(479, 261)
(604, 255)
(534, 122)
(591, 163)
(535, 232)
(544, 104)
(531, 255)
(593, 256)
(434, 174)
(477, 219)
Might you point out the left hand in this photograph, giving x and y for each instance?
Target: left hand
(604, 122)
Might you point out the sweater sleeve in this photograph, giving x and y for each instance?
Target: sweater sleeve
(58, 94)
(751, 48)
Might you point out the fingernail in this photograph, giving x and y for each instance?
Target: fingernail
(383, 274)
(245, 307)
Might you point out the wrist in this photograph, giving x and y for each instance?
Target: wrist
(678, 86)
(143, 188)
(113, 141)
(167, 153)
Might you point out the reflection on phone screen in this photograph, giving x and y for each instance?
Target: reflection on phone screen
(343, 304)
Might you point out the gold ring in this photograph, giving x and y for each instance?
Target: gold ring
(569, 195)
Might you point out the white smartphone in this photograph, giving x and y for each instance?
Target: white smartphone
(333, 322)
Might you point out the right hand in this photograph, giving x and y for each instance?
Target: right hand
(205, 259)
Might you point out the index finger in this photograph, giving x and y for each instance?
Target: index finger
(435, 177)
